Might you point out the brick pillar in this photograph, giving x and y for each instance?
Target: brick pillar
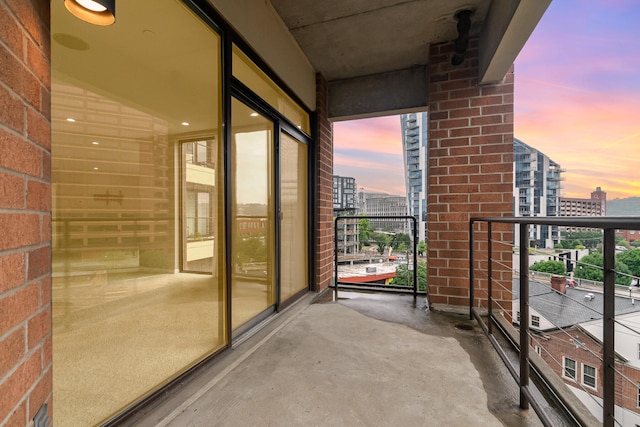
(25, 211)
(470, 174)
(324, 189)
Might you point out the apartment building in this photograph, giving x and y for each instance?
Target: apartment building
(536, 191)
(381, 204)
(414, 149)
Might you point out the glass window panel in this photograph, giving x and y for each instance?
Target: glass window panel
(245, 70)
(125, 319)
(293, 219)
(253, 247)
(569, 368)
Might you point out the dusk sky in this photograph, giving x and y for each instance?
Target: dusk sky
(577, 99)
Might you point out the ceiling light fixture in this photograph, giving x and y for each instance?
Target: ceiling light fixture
(98, 12)
(185, 123)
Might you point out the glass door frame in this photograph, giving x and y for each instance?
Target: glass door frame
(243, 94)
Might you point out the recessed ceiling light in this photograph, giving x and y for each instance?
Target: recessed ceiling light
(95, 169)
(254, 114)
(71, 119)
(98, 12)
(185, 123)
(95, 142)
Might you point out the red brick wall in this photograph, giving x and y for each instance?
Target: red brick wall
(470, 174)
(25, 211)
(557, 344)
(324, 189)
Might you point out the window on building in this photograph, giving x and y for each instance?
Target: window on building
(568, 368)
(638, 402)
(589, 375)
(537, 349)
(535, 321)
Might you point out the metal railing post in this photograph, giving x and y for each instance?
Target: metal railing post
(415, 261)
(608, 328)
(490, 287)
(471, 275)
(335, 258)
(524, 314)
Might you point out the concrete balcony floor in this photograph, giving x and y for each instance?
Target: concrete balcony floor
(368, 359)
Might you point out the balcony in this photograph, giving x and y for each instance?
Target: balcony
(366, 359)
(576, 340)
(383, 358)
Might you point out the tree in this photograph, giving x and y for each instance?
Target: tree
(589, 239)
(399, 239)
(364, 231)
(251, 249)
(631, 258)
(404, 277)
(382, 240)
(422, 247)
(552, 267)
(590, 268)
(402, 247)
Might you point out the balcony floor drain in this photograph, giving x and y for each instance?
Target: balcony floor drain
(464, 326)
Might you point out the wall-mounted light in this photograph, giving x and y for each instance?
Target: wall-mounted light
(98, 12)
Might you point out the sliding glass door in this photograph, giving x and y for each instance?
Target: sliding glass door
(252, 215)
(293, 217)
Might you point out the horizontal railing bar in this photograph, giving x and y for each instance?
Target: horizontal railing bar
(609, 222)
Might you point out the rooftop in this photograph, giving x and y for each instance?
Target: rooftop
(574, 307)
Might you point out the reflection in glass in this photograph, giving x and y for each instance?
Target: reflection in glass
(125, 319)
(245, 70)
(293, 220)
(199, 205)
(253, 214)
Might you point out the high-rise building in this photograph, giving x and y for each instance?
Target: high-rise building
(594, 206)
(344, 193)
(382, 204)
(344, 204)
(414, 149)
(536, 191)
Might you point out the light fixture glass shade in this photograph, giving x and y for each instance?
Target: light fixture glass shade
(98, 12)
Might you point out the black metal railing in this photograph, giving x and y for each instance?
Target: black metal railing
(484, 227)
(339, 246)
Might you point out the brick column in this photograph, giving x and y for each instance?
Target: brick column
(25, 211)
(324, 189)
(470, 174)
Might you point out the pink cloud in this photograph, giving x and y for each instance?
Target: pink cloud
(380, 135)
(595, 133)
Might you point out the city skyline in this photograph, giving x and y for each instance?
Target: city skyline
(577, 99)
